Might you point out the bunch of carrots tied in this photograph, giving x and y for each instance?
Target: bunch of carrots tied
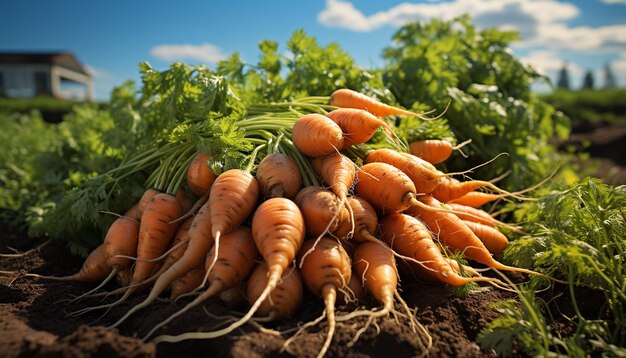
(313, 205)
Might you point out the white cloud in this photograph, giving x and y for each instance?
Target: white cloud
(623, 2)
(540, 22)
(205, 52)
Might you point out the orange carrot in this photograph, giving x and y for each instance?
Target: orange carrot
(234, 297)
(145, 199)
(338, 171)
(155, 232)
(475, 199)
(278, 232)
(450, 189)
(468, 213)
(322, 210)
(237, 256)
(316, 135)
(424, 175)
(347, 98)
(358, 126)
(354, 291)
(364, 224)
(199, 176)
(387, 188)
(434, 151)
(279, 176)
(325, 270)
(188, 282)
(494, 240)
(284, 300)
(455, 234)
(410, 237)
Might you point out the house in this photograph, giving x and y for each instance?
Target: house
(56, 74)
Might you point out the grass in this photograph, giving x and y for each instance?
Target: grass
(590, 105)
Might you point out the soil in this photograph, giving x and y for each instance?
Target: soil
(34, 320)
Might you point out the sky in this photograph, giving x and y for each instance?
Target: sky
(112, 37)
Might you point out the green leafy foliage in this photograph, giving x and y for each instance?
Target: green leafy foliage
(578, 235)
(590, 105)
(434, 63)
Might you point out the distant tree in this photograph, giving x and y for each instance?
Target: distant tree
(563, 81)
(588, 80)
(609, 78)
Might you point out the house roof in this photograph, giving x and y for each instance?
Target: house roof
(63, 59)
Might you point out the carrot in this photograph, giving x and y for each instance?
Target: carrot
(133, 212)
(155, 232)
(410, 237)
(386, 187)
(145, 199)
(450, 189)
(326, 270)
(494, 240)
(424, 175)
(188, 282)
(475, 199)
(338, 171)
(347, 98)
(234, 297)
(278, 232)
(200, 240)
(455, 234)
(468, 213)
(237, 256)
(316, 135)
(365, 221)
(358, 126)
(434, 151)
(322, 210)
(354, 291)
(284, 300)
(376, 267)
(279, 176)
(199, 176)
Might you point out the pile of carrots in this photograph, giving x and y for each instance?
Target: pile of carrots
(320, 209)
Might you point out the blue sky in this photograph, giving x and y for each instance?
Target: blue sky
(112, 37)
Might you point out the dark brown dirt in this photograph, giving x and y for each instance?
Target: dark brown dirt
(34, 321)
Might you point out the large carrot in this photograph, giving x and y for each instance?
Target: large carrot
(347, 98)
(278, 232)
(316, 135)
(410, 237)
(199, 176)
(455, 234)
(144, 200)
(424, 175)
(358, 126)
(475, 199)
(338, 171)
(237, 256)
(469, 213)
(386, 187)
(326, 270)
(279, 176)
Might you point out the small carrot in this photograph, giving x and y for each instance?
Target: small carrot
(358, 126)
(494, 240)
(145, 199)
(476, 199)
(325, 270)
(468, 213)
(450, 189)
(365, 221)
(434, 151)
(316, 135)
(322, 210)
(199, 176)
(347, 98)
(424, 175)
(278, 175)
(284, 300)
(188, 282)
